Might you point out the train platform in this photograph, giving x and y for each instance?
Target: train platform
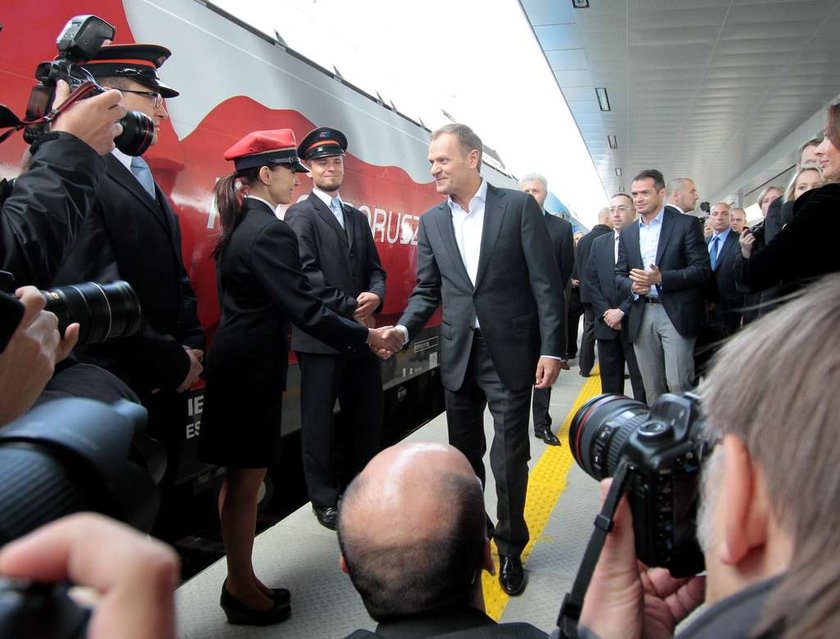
(299, 554)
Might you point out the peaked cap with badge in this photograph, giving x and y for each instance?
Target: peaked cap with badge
(138, 62)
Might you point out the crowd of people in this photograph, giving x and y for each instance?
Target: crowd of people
(656, 298)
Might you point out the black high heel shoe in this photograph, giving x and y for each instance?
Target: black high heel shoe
(238, 613)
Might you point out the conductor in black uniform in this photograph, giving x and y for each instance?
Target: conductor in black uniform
(131, 233)
(261, 290)
(340, 261)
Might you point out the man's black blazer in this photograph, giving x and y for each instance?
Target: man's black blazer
(563, 243)
(683, 259)
(600, 282)
(727, 300)
(339, 264)
(517, 295)
(584, 248)
(126, 235)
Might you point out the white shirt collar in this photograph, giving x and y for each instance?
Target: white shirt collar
(124, 159)
(481, 195)
(325, 197)
(259, 199)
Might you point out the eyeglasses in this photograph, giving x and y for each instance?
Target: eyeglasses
(623, 209)
(154, 96)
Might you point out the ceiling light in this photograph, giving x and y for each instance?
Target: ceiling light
(603, 98)
(618, 171)
(580, 4)
(612, 141)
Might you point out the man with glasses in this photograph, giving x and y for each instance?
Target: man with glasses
(610, 307)
(132, 234)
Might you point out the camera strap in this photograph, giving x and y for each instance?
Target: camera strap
(567, 619)
(13, 123)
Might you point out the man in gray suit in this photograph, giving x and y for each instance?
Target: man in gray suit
(664, 266)
(485, 254)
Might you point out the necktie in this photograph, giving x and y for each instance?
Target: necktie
(143, 174)
(713, 251)
(335, 206)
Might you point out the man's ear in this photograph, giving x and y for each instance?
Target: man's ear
(743, 503)
(343, 564)
(487, 559)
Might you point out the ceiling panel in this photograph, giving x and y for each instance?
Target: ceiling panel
(704, 88)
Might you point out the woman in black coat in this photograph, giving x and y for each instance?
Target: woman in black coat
(806, 248)
(261, 290)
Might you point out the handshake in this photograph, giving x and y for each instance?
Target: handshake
(385, 340)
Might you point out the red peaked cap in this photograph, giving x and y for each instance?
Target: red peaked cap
(266, 148)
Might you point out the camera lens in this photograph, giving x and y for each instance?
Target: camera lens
(600, 429)
(137, 134)
(103, 311)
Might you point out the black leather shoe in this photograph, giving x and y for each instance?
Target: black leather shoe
(547, 436)
(327, 517)
(281, 595)
(238, 613)
(511, 575)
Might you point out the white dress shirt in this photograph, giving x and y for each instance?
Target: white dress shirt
(649, 243)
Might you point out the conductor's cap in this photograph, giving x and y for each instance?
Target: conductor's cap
(266, 148)
(138, 62)
(322, 142)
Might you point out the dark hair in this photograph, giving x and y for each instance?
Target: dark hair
(621, 194)
(811, 142)
(397, 580)
(229, 201)
(656, 176)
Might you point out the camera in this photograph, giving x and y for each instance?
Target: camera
(758, 231)
(77, 43)
(30, 609)
(103, 311)
(663, 447)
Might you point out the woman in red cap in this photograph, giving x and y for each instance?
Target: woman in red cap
(261, 290)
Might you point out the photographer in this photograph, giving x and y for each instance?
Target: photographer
(28, 350)
(133, 576)
(43, 209)
(768, 522)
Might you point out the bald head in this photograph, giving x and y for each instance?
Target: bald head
(604, 216)
(412, 530)
(682, 192)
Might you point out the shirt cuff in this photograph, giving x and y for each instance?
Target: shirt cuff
(402, 329)
(552, 357)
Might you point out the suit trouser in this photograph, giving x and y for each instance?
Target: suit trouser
(542, 398)
(612, 355)
(665, 358)
(510, 450)
(357, 383)
(587, 341)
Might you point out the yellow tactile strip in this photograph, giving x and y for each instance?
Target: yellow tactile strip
(546, 483)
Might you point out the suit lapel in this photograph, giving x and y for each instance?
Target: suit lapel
(125, 179)
(327, 216)
(664, 234)
(349, 223)
(494, 214)
(443, 220)
(631, 246)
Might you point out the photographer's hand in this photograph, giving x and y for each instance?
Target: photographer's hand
(134, 575)
(746, 241)
(625, 599)
(94, 121)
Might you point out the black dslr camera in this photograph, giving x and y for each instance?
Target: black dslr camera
(66, 456)
(663, 448)
(77, 43)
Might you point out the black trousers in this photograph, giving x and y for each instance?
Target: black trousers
(612, 355)
(356, 381)
(510, 450)
(587, 341)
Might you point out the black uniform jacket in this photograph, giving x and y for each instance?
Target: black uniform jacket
(683, 259)
(563, 243)
(339, 264)
(43, 213)
(128, 236)
(517, 296)
(584, 248)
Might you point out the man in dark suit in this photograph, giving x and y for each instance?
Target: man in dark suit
(663, 264)
(560, 232)
(341, 263)
(611, 307)
(132, 234)
(484, 254)
(587, 340)
(418, 573)
(724, 302)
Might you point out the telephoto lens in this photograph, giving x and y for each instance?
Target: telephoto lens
(103, 311)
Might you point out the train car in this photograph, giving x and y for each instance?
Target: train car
(234, 79)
